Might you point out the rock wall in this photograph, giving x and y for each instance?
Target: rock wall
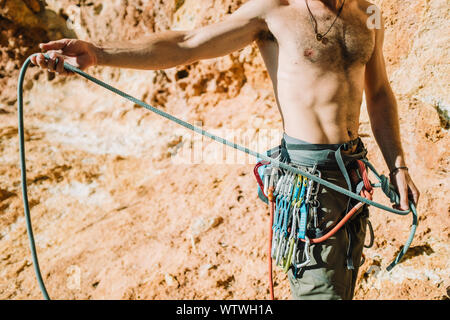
(118, 216)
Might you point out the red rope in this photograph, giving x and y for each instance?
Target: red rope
(365, 176)
(272, 210)
(269, 253)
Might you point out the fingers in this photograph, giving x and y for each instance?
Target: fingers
(55, 62)
(401, 185)
(407, 191)
(51, 62)
(54, 45)
(33, 60)
(40, 61)
(404, 201)
(60, 66)
(414, 192)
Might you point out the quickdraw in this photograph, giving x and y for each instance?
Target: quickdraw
(295, 196)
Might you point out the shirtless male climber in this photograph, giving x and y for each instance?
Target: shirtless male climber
(321, 55)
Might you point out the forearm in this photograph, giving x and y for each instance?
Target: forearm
(159, 51)
(383, 113)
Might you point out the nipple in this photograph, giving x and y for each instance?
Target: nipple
(308, 53)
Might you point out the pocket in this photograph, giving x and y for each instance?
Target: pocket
(328, 281)
(333, 204)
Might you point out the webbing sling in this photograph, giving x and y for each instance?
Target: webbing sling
(384, 181)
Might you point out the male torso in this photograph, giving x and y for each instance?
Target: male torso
(318, 86)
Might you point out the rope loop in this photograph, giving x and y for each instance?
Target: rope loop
(389, 190)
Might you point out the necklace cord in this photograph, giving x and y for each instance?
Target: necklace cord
(314, 21)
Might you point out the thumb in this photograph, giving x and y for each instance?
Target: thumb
(54, 45)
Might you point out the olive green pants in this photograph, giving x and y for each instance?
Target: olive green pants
(327, 276)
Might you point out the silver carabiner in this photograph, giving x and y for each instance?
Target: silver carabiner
(314, 206)
(281, 246)
(279, 184)
(313, 187)
(294, 221)
(272, 178)
(305, 253)
(267, 175)
(286, 183)
(274, 245)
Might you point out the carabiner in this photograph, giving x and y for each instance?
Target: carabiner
(279, 183)
(292, 240)
(298, 186)
(274, 245)
(305, 253)
(288, 261)
(280, 249)
(267, 176)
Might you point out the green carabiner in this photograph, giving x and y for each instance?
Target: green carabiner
(288, 260)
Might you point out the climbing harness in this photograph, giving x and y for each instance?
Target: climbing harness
(305, 202)
(281, 171)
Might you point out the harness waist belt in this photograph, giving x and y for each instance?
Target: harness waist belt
(325, 156)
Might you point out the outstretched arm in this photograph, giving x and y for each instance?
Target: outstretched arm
(167, 49)
(383, 114)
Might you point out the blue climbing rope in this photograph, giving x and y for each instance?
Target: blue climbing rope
(384, 182)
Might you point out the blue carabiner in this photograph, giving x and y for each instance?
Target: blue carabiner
(278, 201)
(303, 220)
(303, 211)
(287, 209)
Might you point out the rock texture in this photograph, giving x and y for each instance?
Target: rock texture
(120, 208)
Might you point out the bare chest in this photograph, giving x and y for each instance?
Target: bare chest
(348, 42)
